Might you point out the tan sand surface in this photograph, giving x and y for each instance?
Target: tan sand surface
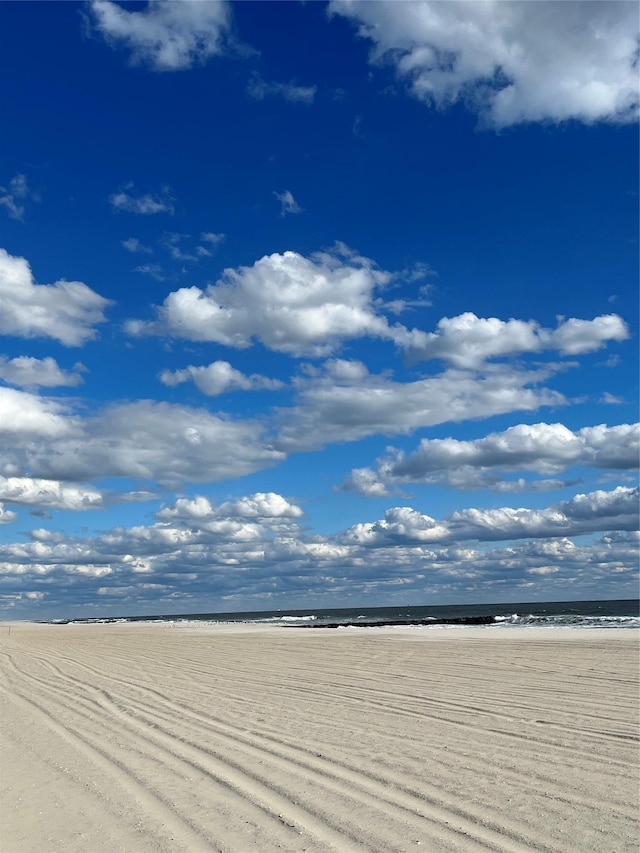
(157, 738)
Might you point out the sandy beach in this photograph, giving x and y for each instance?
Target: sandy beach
(137, 738)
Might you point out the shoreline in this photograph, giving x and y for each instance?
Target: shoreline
(491, 631)
(169, 737)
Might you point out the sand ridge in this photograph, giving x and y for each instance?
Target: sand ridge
(164, 738)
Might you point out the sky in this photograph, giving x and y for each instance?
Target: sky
(317, 305)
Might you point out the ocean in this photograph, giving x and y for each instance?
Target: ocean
(624, 613)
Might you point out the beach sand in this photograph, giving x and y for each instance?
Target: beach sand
(137, 737)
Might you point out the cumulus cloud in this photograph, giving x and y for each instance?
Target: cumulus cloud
(542, 448)
(53, 494)
(264, 505)
(290, 303)
(255, 548)
(511, 62)
(310, 305)
(7, 516)
(260, 89)
(29, 372)
(585, 513)
(219, 377)
(25, 416)
(343, 402)
(468, 340)
(366, 482)
(575, 337)
(66, 311)
(166, 36)
(288, 204)
(261, 505)
(159, 442)
(147, 204)
(14, 197)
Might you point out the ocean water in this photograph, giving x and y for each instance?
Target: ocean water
(624, 613)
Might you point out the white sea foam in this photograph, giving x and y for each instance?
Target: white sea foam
(568, 620)
(298, 618)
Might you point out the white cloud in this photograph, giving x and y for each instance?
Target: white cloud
(7, 516)
(288, 204)
(611, 447)
(14, 198)
(261, 505)
(260, 89)
(575, 337)
(290, 303)
(147, 204)
(159, 442)
(511, 62)
(366, 482)
(543, 570)
(256, 545)
(167, 36)
(586, 513)
(198, 508)
(212, 238)
(468, 340)
(542, 448)
(25, 416)
(38, 372)
(132, 244)
(219, 377)
(608, 399)
(66, 310)
(264, 505)
(309, 305)
(53, 494)
(344, 402)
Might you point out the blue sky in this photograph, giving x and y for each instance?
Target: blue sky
(317, 305)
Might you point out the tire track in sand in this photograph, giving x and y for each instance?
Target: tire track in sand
(442, 817)
(186, 836)
(247, 786)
